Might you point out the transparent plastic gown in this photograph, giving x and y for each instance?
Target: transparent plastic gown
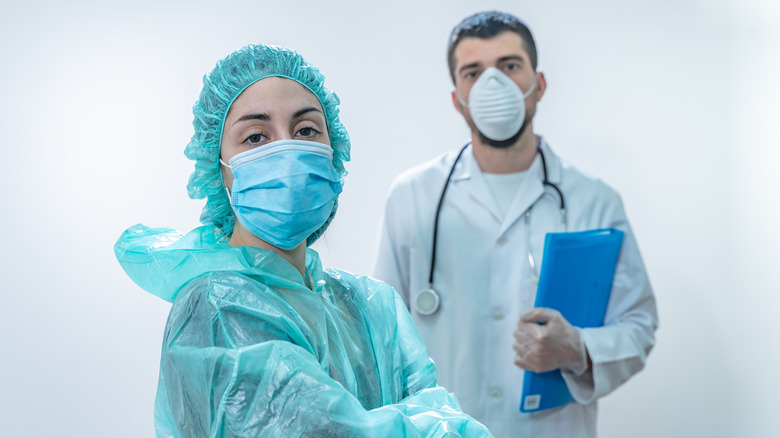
(249, 350)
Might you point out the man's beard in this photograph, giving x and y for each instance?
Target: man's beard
(502, 144)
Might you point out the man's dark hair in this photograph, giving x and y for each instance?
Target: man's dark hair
(487, 25)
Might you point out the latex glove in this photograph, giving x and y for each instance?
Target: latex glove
(545, 341)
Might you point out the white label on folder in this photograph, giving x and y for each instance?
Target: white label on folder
(532, 402)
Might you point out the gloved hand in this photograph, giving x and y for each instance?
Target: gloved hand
(545, 341)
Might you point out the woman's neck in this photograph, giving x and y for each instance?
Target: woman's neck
(295, 256)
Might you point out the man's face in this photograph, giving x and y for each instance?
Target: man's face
(505, 52)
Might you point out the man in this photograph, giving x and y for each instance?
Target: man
(472, 294)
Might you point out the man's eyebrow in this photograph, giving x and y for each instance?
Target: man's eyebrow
(511, 58)
(253, 116)
(468, 66)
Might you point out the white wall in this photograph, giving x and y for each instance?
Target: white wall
(674, 103)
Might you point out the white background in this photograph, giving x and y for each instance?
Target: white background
(674, 103)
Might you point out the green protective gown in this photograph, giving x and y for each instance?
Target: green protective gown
(250, 350)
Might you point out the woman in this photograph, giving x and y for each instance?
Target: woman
(261, 341)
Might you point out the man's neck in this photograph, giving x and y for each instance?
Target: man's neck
(515, 158)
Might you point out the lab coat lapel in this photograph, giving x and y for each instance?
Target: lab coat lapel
(476, 185)
(530, 190)
(533, 188)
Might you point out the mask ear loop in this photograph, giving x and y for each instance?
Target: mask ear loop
(460, 101)
(227, 190)
(525, 95)
(533, 87)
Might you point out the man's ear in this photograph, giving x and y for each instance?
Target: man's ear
(455, 101)
(541, 86)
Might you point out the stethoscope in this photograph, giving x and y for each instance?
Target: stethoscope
(426, 301)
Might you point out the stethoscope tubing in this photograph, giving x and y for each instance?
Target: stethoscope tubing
(438, 211)
(430, 292)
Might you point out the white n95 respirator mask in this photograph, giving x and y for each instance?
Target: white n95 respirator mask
(497, 105)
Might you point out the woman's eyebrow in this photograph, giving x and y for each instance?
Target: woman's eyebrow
(303, 111)
(265, 117)
(253, 116)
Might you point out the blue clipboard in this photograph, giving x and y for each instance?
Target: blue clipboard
(575, 279)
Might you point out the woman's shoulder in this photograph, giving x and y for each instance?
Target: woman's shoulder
(231, 308)
(370, 293)
(228, 288)
(357, 283)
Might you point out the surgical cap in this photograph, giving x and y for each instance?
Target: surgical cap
(221, 87)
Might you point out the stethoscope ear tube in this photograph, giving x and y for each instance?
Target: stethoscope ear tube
(547, 183)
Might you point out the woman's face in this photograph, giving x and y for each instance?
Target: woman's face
(269, 110)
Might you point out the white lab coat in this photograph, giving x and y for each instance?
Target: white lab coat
(484, 281)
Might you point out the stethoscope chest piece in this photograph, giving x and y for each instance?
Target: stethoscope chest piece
(426, 301)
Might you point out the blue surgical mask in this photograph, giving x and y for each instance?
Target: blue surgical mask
(284, 191)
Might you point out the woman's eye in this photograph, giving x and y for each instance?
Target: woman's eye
(308, 131)
(254, 139)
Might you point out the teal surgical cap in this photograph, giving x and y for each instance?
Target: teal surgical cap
(221, 87)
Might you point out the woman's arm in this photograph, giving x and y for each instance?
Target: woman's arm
(274, 387)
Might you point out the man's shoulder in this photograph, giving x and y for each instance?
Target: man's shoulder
(581, 181)
(434, 169)
(586, 192)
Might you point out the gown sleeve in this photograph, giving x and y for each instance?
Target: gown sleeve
(233, 369)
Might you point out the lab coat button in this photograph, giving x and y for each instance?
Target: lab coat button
(498, 315)
(501, 240)
(495, 393)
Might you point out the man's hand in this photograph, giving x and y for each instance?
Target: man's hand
(545, 341)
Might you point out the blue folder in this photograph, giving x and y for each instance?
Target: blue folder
(575, 279)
